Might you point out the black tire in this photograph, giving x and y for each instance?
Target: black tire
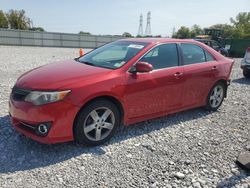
(85, 115)
(246, 73)
(209, 105)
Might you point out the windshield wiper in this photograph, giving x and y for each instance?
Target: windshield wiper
(92, 64)
(88, 63)
(85, 62)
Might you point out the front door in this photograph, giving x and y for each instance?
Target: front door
(159, 90)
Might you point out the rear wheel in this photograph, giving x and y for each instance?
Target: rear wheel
(216, 96)
(96, 123)
(246, 73)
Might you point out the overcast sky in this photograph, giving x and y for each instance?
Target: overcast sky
(117, 16)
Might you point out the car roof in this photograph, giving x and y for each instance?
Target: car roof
(157, 40)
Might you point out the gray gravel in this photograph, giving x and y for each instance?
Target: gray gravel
(194, 148)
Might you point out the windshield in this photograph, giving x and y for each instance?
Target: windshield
(113, 55)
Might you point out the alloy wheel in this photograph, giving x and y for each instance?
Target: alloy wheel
(216, 96)
(99, 123)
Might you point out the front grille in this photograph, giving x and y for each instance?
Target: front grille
(19, 94)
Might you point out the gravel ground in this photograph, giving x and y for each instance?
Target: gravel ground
(194, 148)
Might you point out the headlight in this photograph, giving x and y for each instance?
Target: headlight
(40, 97)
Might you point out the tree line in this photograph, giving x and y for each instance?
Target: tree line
(239, 28)
(16, 19)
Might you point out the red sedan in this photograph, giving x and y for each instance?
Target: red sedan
(126, 81)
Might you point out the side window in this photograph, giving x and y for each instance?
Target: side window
(209, 57)
(163, 56)
(192, 54)
(152, 53)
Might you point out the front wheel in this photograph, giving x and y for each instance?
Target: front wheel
(216, 96)
(96, 123)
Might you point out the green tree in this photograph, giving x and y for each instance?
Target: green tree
(158, 36)
(84, 33)
(127, 34)
(196, 30)
(242, 25)
(18, 20)
(3, 20)
(242, 19)
(37, 29)
(183, 33)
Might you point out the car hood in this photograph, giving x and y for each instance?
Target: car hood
(59, 75)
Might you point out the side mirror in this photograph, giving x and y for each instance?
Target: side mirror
(141, 67)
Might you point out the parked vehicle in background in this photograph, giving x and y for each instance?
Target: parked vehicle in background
(126, 81)
(245, 63)
(215, 45)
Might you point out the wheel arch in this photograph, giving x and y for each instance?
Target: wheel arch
(221, 82)
(110, 98)
(225, 83)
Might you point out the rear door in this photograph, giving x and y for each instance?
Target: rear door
(200, 71)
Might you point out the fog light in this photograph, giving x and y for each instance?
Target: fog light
(43, 129)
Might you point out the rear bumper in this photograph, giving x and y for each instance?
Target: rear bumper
(60, 115)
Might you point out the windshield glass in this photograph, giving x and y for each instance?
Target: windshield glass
(113, 55)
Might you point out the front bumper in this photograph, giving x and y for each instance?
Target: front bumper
(60, 115)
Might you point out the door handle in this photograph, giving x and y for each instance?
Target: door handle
(214, 68)
(178, 74)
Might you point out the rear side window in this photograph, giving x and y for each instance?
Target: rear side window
(192, 54)
(162, 56)
(209, 57)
